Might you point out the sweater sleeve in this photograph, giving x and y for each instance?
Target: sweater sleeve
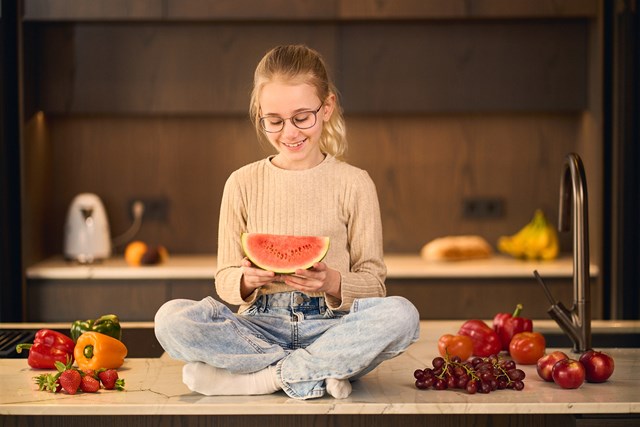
(233, 219)
(367, 272)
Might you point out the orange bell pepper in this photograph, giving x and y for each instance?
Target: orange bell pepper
(94, 350)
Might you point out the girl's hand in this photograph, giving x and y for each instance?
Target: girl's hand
(253, 278)
(318, 278)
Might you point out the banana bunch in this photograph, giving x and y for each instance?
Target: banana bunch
(536, 240)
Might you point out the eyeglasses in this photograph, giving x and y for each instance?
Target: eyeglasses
(302, 120)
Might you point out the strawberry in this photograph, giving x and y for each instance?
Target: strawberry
(48, 382)
(70, 380)
(89, 384)
(67, 378)
(110, 380)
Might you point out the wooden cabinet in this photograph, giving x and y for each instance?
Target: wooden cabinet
(138, 300)
(458, 298)
(381, 67)
(59, 291)
(132, 300)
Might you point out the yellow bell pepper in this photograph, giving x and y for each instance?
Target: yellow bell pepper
(94, 350)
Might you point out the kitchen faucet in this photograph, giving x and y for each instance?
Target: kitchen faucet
(576, 323)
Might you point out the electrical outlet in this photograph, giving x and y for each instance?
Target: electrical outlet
(483, 208)
(155, 208)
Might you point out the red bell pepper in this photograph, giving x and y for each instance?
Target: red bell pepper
(485, 340)
(507, 325)
(47, 348)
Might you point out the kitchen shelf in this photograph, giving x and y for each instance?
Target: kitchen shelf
(399, 266)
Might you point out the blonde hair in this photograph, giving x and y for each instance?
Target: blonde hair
(301, 63)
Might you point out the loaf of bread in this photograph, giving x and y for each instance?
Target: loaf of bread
(456, 248)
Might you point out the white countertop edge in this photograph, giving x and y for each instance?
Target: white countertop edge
(328, 406)
(105, 273)
(399, 266)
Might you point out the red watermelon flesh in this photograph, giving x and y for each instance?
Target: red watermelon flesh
(282, 253)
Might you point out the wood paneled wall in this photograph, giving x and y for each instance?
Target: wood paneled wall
(423, 167)
(436, 110)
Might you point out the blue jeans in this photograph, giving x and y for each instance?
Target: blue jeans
(299, 334)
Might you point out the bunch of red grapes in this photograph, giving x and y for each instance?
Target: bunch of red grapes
(478, 375)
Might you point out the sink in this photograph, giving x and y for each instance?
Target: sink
(141, 342)
(598, 340)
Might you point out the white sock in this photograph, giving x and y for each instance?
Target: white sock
(339, 389)
(211, 381)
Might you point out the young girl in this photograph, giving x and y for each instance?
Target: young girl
(317, 330)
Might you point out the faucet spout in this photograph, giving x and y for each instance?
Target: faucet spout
(576, 321)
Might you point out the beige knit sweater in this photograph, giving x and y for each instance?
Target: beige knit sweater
(332, 199)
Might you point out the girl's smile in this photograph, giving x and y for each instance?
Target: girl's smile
(294, 145)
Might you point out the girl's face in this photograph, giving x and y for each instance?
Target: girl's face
(280, 102)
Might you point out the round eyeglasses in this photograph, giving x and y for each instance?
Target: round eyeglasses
(302, 120)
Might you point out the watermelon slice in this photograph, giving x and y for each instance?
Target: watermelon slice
(284, 254)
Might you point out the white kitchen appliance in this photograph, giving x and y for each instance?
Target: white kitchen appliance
(87, 237)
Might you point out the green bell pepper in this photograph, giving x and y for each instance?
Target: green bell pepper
(108, 324)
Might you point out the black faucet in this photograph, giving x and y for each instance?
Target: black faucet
(576, 322)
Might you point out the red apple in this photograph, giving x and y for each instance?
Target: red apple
(545, 364)
(598, 366)
(568, 373)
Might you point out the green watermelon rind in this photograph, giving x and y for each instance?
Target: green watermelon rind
(254, 258)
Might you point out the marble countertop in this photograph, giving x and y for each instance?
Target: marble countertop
(399, 266)
(154, 387)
